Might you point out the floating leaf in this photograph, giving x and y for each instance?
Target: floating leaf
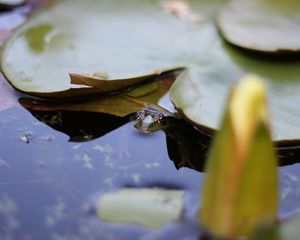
(201, 92)
(156, 37)
(237, 193)
(262, 25)
(149, 42)
(149, 207)
(119, 105)
(105, 86)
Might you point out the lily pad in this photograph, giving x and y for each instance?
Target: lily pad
(120, 105)
(122, 40)
(201, 92)
(137, 40)
(262, 25)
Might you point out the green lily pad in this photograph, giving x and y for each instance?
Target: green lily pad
(130, 40)
(289, 230)
(151, 208)
(137, 40)
(262, 25)
(201, 92)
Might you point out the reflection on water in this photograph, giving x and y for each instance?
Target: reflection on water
(48, 184)
(186, 146)
(290, 190)
(49, 181)
(54, 182)
(8, 217)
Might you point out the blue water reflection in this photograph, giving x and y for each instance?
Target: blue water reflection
(53, 183)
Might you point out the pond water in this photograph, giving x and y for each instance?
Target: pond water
(49, 185)
(50, 182)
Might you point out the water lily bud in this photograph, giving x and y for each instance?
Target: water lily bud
(240, 188)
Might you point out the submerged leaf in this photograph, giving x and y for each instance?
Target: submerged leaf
(237, 193)
(290, 230)
(149, 207)
(262, 25)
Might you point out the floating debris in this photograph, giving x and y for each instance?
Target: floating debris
(26, 138)
(182, 10)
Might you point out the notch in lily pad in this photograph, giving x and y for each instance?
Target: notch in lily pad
(240, 188)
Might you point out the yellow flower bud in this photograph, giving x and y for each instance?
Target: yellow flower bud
(240, 187)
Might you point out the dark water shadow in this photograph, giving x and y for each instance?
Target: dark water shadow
(80, 126)
(279, 56)
(186, 145)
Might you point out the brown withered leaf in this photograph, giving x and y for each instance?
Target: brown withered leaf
(120, 104)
